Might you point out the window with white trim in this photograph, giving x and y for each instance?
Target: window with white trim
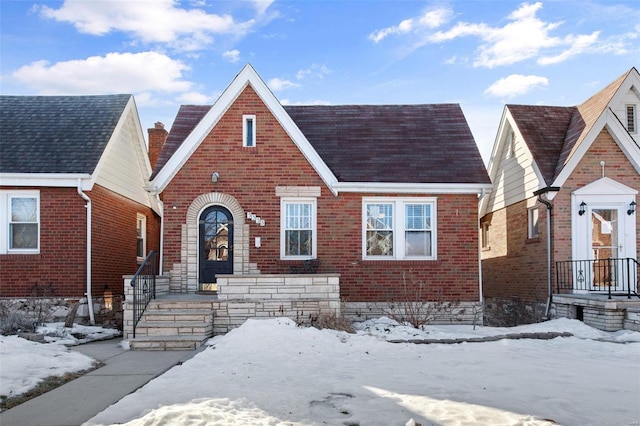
(249, 131)
(485, 235)
(20, 231)
(298, 231)
(532, 214)
(141, 236)
(632, 124)
(400, 229)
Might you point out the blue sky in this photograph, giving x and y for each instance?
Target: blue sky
(480, 54)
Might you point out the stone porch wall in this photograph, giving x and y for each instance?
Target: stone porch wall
(299, 297)
(603, 314)
(440, 312)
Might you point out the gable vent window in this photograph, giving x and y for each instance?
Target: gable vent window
(632, 125)
(511, 144)
(249, 131)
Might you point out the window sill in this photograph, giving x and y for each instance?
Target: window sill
(532, 240)
(486, 248)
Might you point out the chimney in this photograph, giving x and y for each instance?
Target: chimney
(157, 138)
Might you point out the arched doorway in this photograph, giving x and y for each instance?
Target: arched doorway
(215, 246)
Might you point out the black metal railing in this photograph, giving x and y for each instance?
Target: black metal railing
(144, 286)
(610, 276)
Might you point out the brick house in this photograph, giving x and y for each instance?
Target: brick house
(75, 215)
(254, 193)
(560, 228)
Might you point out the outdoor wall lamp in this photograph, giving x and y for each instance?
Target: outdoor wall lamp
(214, 177)
(632, 208)
(583, 207)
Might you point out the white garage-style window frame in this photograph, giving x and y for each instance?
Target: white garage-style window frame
(399, 228)
(298, 228)
(20, 231)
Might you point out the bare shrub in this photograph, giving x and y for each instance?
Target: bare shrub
(413, 308)
(331, 321)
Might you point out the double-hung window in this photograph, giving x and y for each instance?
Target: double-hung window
(298, 228)
(21, 230)
(399, 229)
(141, 236)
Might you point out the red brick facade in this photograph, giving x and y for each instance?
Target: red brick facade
(62, 258)
(517, 267)
(251, 176)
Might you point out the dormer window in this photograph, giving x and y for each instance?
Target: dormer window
(249, 131)
(632, 124)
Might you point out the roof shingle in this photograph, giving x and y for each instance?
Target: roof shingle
(374, 143)
(56, 134)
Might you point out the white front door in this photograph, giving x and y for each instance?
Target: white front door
(604, 233)
(607, 248)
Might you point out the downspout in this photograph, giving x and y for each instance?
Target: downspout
(549, 206)
(161, 248)
(88, 293)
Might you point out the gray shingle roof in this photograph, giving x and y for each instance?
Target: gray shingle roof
(374, 143)
(56, 134)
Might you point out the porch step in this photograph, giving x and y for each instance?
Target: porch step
(174, 325)
(167, 343)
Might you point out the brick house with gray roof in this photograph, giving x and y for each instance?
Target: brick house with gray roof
(560, 230)
(380, 200)
(75, 215)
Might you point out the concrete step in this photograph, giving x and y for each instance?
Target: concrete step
(180, 304)
(181, 328)
(166, 343)
(195, 315)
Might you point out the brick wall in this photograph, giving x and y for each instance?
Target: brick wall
(61, 261)
(251, 175)
(515, 267)
(62, 258)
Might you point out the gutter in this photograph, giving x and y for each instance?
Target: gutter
(88, 293)
(539, 193)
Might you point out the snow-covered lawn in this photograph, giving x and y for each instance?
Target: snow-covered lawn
(24, 364)
(271, 372)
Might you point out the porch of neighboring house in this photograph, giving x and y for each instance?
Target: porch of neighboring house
(157, 319)
(603, 293)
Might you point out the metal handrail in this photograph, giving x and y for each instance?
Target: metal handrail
(599, 275)
(144, 287)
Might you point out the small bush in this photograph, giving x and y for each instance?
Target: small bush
(331, 321)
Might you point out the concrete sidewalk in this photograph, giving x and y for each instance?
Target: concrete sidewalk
(77, 401)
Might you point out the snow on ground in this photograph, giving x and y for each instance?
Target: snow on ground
(271, 372)
(24, 364)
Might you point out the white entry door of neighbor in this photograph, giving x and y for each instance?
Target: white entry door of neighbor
(606, 241)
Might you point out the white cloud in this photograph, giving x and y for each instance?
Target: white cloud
(194, 98)
(278, 84)
(579, 44)
(430, 19)
(158, 21)
(232, 56)
(315, 70)
(112, 73)
(524, 36)
(514, 85)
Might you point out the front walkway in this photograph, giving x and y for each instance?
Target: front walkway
(81, 399)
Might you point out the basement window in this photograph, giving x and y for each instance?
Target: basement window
(249, 131)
